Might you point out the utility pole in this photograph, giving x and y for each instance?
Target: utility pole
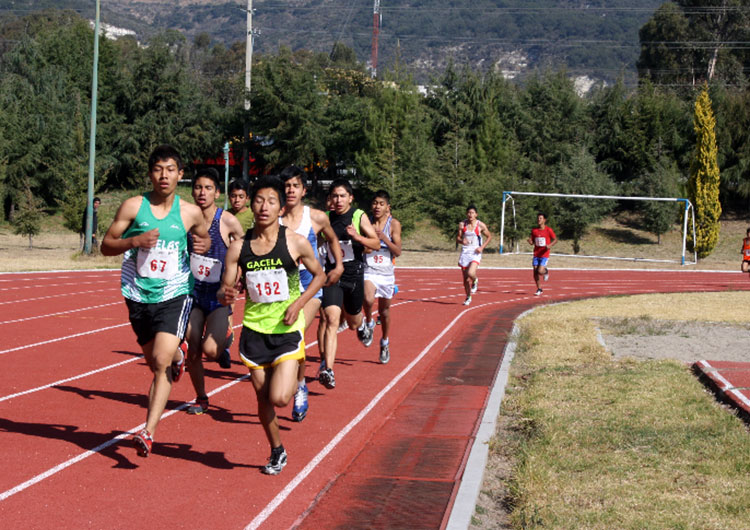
(248, 77)
(376, 19)
(92, 139)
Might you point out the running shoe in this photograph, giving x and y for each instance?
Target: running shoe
(364, 334)
(475, 286)
(143, 443)
(546, 276)
(371, 324)
(377, 322)
(199, 407)
(538, 292)
(468, 300)
(276, 462)
(178, 368)
(299, 410)
(385, 354)
(322, 367)
(343, 326)
(327, 379)
(225, 358)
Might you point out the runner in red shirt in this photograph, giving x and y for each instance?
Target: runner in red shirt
(543, 238)
(746, 252)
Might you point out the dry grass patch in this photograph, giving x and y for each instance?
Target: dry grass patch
(599, 443)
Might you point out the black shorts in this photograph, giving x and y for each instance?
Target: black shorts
(169, 317)
(262, 350)
(348, 294)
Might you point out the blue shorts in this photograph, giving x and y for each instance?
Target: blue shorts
(305, 278)
(207, 304)
(539, 261)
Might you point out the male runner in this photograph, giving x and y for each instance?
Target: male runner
(354, 232)
(543, 238)
(156, 281)
(470, 232)
(238, 200)
(272, 343)
(308, 223)
(746, 252)
(380, 278)
(209, 329)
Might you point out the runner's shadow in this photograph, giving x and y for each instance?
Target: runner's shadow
(125, 352)
(178, 451)
(86, 440)
(122, 397)
(440, 302)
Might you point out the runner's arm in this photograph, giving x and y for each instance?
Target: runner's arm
(234, 228)
(394, 244)
(300, 250)
(368, 237)
(113, 244)
(321, 219)
(228, 292)
(460, 235)
(197, 224)
(553, 241)
(487, 235)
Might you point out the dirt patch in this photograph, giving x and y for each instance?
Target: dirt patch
(646, 338)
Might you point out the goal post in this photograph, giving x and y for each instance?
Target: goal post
(688, 211)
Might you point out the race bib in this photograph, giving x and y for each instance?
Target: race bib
(160, 264)
(347, 250)
(540, 241)
(267, 286)
(205, 269)
(378, 258)
(747, 252)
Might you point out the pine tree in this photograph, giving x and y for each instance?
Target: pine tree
(28, 219)
(703, 183)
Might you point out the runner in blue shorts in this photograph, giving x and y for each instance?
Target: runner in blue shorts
(151, 231)
(209, 330)
(307, 222)
(543, 238)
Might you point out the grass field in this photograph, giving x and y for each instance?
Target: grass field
(593, 442)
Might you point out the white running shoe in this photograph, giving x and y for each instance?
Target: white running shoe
(475, 286)
(468, 300)
(546, 276)
(538, 292)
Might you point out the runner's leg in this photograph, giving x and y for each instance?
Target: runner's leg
(194, 361)
(160, 353)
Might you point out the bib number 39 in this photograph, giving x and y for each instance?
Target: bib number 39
(267, 286)
(155, 263)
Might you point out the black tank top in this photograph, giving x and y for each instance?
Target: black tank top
(339, 222)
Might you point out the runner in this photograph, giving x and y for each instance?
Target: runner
(354, 232)
(746, 252)
(150, 230)
(470, 232)
(543, 238)
(238, 200)
(380, 278)
(272, 343)
(209, 329)
(308, 223)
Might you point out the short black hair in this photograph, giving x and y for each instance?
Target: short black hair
(209, 173)
(382, 194)
(291, 172)
(162, 153)
(341, 183)
(238, 184)
(542, 214)
(472, 207)
(96, 199)
(268, 181)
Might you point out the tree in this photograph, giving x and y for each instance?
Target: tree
(662, 181)
(28, 219)
(703, 184)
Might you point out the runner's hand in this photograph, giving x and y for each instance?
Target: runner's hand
(292, 312)
(333, 276)
(477, 250)
(227, 296)
(146, 239)
(201, 244)
(352, 232)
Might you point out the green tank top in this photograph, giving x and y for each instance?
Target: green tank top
(272, 282)
(161, 273)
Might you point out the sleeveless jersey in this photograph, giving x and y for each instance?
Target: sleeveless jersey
(306, 230)
(153, 275)
(272, 282)
(352, 251)
(209, 267)
(472, 238)
(381, 261)
(746, 249)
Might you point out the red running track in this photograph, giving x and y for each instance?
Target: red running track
(387, 447)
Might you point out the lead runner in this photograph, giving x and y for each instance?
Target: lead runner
(272, 343)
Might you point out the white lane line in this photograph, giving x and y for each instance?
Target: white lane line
(101, 447)
(60, 313)
(284, 493)
(51, 341)
(61, 381)
(21, 300)
(51, 285)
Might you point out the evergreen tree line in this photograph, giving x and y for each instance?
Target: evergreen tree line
(464, 139)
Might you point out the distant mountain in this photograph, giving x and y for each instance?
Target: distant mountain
(596, 38)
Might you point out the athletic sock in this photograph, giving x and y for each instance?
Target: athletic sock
(384, 342)
(301, 384)
(275, 451)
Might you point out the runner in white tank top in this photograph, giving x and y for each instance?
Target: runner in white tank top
(473, 236)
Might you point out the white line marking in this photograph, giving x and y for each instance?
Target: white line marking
(63, 338)
(59, 313)
(50, 296)
(51, 285)
(61, 381)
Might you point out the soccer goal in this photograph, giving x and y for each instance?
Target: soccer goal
(688, 212)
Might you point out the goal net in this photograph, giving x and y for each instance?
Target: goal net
(688, 212)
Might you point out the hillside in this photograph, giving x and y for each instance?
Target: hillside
(591, 38)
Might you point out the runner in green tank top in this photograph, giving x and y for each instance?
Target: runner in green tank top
(272, 341)
(156, 281)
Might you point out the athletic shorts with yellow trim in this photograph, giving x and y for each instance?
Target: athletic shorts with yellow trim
(264, 350)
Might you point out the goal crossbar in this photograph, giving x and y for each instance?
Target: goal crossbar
(688, 211)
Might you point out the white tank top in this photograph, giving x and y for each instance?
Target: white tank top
(381, 261)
